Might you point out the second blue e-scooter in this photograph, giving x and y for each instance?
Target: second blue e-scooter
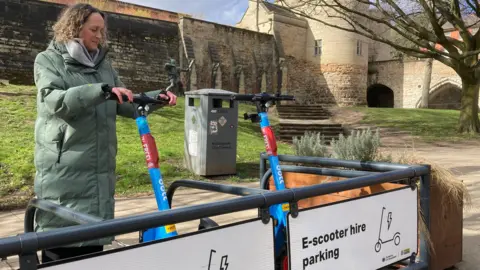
(279, 211)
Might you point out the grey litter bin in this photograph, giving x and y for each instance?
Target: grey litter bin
(210, 138)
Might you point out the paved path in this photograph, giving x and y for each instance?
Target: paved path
(463, 160)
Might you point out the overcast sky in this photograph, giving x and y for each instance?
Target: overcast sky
(220, 11)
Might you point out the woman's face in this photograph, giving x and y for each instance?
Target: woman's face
(92, 30)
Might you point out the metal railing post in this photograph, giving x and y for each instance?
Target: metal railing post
(425, 181)
(263, 165)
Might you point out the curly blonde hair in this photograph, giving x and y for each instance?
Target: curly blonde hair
(71, 21)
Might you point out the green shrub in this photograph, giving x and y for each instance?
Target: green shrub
(310, 144)
(360, 145)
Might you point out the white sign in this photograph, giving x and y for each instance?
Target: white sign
(245, 245)
(362, 234)
(193, 142)
(213, 127)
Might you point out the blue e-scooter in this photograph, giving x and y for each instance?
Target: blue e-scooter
(279, 212)
(151, 153)
(151, 157)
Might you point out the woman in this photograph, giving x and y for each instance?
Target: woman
(75, 136)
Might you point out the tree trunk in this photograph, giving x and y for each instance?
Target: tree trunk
(468, 121)
(427, 78)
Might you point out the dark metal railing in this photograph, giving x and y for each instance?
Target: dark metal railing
(331, 162)
(60, 211)
(222, 188)
(363, 174)
(312, 170)
(31, 242)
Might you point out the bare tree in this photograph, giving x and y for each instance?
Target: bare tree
(416, 29)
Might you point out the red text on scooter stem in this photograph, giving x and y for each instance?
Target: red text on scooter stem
(269, 138)
(149, 148)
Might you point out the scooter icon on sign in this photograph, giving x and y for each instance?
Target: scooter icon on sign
(385, 237)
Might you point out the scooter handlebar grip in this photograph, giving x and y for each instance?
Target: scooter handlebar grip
(143, 99)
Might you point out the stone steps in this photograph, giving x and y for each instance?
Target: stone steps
(304, 110)
(329, 131)
(289, 138)
(301, 108)
(309, 125)
(309, 112)
(300, 132)
(301, 118)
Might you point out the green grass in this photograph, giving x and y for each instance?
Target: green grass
(18, 112)
(428, 124)
(17, 115)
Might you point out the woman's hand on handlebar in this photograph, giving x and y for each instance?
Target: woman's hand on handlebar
(120, 91)
(172, 99)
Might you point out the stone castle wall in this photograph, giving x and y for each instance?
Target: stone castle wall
(246, 59)
(139, 47)
(306, 83)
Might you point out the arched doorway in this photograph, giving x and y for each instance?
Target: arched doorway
(447, 96)
(380, 96)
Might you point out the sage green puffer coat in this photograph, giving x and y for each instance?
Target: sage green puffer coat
(75, 136)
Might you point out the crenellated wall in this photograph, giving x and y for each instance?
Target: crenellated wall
(239, 54)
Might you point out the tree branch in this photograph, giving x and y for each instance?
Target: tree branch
(475, 6)
(371, 35)
(442, 40)
(418, 41)
(455, 18)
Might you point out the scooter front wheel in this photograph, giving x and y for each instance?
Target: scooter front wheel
(396, 239)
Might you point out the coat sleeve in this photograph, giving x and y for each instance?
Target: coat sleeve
(126, 109)
(57, 99)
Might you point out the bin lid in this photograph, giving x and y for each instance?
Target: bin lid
(210, 92)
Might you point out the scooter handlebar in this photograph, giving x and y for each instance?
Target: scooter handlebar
(261, 97)
(143, 99)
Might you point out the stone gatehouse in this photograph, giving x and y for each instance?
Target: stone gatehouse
(365, 71)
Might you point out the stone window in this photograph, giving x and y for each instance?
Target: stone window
(359, 47)
(318, 47)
